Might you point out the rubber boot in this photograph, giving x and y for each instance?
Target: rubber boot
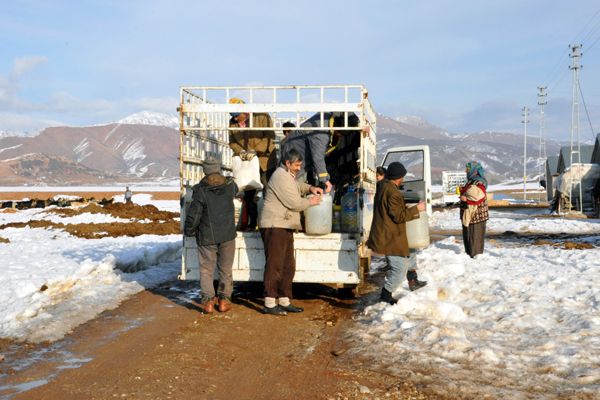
(387, 297)
(413, 282)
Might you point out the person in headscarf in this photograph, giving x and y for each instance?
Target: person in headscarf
(474, 209)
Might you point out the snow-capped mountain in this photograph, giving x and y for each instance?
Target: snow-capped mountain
(145, 146)
(500, 153)
(92, 155)
(151, 118)
(4, 134)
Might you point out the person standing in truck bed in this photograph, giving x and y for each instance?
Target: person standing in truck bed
(248, 144)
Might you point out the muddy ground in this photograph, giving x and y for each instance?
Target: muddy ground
(158, 345)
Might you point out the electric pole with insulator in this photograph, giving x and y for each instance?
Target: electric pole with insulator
(524, 121)
(575, 148)
(542, 145)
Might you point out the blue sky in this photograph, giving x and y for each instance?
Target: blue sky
(466, 66)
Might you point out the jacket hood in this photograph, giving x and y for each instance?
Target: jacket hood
(215, 181)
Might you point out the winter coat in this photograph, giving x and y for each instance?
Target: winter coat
(475, 209)
(390, 214)
(312, 145)
(284, 201)
(263, 142)
(210, 215)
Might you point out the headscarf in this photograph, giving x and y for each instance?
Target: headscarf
(475, 173)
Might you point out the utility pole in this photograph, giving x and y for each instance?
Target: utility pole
(542, 145)
(575, 148)
(525, 120)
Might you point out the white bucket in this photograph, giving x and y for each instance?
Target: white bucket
(318, 218)
(417, 232)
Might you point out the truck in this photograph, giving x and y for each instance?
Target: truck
(338, 258)
(451, 183)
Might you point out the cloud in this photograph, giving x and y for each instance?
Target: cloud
(167, 104)
(16, 122)
(10, 84)
(23, 64)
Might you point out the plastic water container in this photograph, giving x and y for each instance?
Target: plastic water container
(350, 211)
(417, 232)
(336, 223)
(318, 218)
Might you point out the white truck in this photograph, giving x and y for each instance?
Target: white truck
(451, 183)
(335, 258)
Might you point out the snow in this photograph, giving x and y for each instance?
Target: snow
(519, 321)
(151, 118)
(11, 147)
(52, 282)
(522, 222)
(142, 199)
(166, 186)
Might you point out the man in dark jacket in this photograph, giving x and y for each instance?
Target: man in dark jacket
(210, 218)
(388, 230)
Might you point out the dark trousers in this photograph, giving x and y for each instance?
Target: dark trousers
(216, 256)
(252, 208)
(280, 264)
(473, 238)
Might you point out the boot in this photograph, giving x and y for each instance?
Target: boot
(413, 282)
(224, 304)
(387, 297)
(208, 307)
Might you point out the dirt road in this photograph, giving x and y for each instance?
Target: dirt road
(157, 345)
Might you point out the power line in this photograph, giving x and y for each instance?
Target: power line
(592, 27)
(586, 110)
(575, 40)
(592, 45)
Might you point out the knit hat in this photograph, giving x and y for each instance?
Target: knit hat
(236, 100)
(211, 166)
(396, 170)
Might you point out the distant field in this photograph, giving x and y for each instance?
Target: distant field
(13, 195)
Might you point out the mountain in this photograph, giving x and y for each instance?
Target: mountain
(145, 147)
(123, 151)
(43, 169)
(151, 118)
(501, 154)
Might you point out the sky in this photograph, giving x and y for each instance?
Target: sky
(466, 66)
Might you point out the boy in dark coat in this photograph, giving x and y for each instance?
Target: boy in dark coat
(210, 218)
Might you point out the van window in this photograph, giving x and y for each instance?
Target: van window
(413, 161)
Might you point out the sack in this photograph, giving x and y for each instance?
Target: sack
(246, 173)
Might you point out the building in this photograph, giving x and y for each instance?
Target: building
(586, 171)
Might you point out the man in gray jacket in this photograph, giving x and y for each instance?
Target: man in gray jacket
(279, 219)
(210, 218)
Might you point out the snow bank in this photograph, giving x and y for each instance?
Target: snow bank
(511, 321)
(142, 199)
(521, 221)
(53, 282)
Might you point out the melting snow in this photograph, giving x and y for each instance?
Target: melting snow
(515, 322)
